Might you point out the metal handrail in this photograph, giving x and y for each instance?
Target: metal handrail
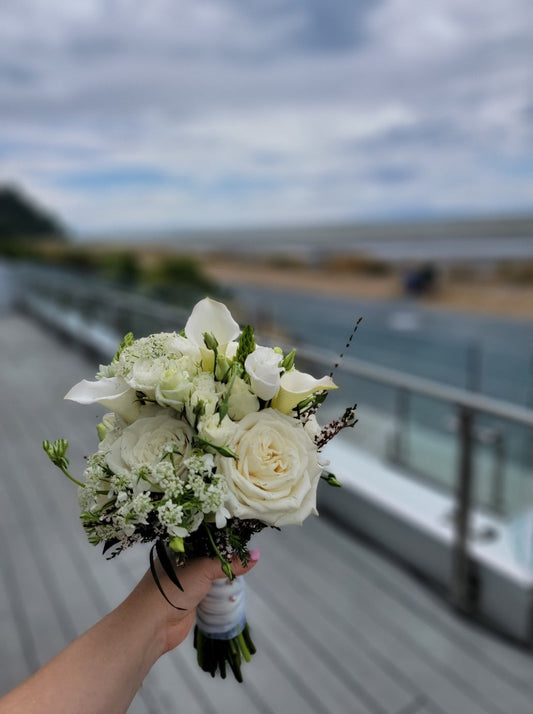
(422, 386)
(466, 403)
(463, 590)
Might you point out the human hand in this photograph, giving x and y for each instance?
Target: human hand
(195, 577)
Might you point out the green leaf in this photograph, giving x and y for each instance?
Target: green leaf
(222, 450)
(224, 564)
(126, 341)
(166, 563)
(156, 578)
(310, 403)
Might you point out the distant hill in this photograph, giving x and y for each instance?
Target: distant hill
(20, 218)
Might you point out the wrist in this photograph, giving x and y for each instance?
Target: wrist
(148, 615)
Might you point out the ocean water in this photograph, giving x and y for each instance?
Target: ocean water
(487, 355)
(490, 355)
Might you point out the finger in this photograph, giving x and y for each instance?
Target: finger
(237, 568)
(211, 569)
(196, 576)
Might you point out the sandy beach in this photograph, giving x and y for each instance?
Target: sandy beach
(487, 296)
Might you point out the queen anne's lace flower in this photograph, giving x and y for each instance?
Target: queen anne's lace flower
(171, 516)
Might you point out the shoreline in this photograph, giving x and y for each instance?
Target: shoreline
(487, 297)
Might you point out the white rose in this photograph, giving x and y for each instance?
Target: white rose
(262, 366)
(277, 471)
(142, 442)
(241, 400)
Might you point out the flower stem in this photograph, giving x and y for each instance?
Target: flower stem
(78, 483)
(214, 655)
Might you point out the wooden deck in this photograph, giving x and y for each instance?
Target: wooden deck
(339, 627)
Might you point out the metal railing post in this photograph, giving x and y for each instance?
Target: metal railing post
(461, 590)
(401, 414)
(497, 501)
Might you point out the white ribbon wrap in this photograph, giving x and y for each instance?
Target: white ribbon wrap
(221, 615)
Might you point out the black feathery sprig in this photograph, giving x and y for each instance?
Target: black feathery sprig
(332, 429)
(346, 347)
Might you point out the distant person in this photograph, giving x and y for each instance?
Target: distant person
(101, 671)
(420, 281)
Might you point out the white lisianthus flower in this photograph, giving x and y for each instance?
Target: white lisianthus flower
(277, 471)
(206, 393)
(116, 427)
(111, 392)
(176, 385)
(214, 431)
(214, 318)
(143, 442)
(295, 386)
(145, 374)
(145, 363)
(262, 366)
(241, 400)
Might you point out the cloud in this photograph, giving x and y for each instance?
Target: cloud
(226, 113)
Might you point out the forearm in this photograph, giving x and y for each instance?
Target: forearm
(101, 671)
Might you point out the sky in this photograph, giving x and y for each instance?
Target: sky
(125, 116)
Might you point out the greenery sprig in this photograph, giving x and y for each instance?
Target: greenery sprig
(57, 453)
(246, 344)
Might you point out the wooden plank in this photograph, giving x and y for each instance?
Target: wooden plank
(378, 623)
(398, 649)
(345, 665)
(431, 643)
(504, 659)
(424, 616)
(296, 657)
(18, 652)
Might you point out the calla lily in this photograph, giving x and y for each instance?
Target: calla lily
(214, 318)
(295, 386)
(111, 392)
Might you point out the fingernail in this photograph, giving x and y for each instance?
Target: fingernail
(255, 554)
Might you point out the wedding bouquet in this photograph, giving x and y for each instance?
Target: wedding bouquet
(209, 439)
